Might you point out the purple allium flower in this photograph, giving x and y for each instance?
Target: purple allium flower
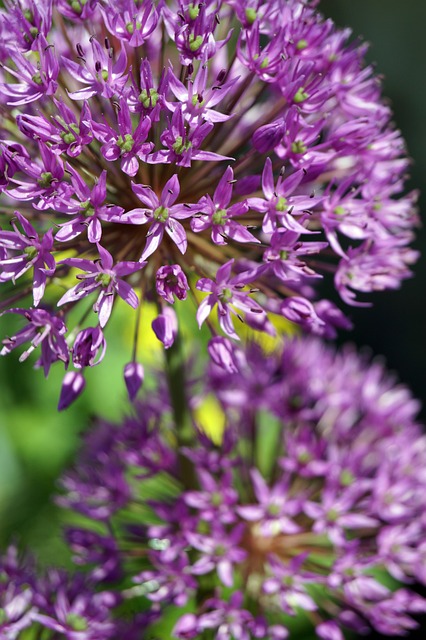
(89, 348)
(171, 280)
(44, 329)
(104, 275)
(31, 253)
(71, 607)
(253, 134)
(311, 502)
(17, 588)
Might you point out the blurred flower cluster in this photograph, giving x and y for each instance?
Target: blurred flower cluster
(312, 501)
(151, 150)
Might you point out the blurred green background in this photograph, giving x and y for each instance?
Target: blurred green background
(36, 442)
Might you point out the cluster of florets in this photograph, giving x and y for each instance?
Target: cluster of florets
(312, 502)
(238, 149)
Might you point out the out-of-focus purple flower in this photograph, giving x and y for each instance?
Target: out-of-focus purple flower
(312, 499)
(222, 353)
(71, 607)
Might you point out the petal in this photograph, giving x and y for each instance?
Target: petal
(103, 306)
(170, 192)
(178, 234)
(106, 258)
(126, 292)
(153, 240)
(204, 310)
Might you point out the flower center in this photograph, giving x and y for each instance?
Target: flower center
(281, 204)
(300, 95)
(76, 622)
(104, 279)
(148, 99)
(219, 217)
(179, 146)
(299, 147)
(226, 295)
(195, 42)
(31, 252)
(87, 208)
(45, 179)
(161, 214)
(126, 143)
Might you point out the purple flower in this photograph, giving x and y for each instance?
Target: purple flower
(130, 22)
(163, 215)
(229, 619)
(70, 607)
(171, 280)
(36, 75)
(273, 509)
(103, 76)
(226, 291)
(289, 586)
(126, 144)
(214, 213)
(314, 495)
(221, 353)
(105, 276)
(106, 146)
(31, 252)
(218, 551)
(44, 330)
(89, 348)
(89, 209)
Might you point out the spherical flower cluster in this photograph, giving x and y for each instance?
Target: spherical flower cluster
(312, 502)
(237, 149)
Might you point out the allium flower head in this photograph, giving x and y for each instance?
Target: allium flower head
(312, 502)
(203, 139)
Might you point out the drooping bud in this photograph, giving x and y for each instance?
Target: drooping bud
(165, 327)
(72, 387)
(133, 377)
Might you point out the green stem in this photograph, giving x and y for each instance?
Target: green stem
(175, 369)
